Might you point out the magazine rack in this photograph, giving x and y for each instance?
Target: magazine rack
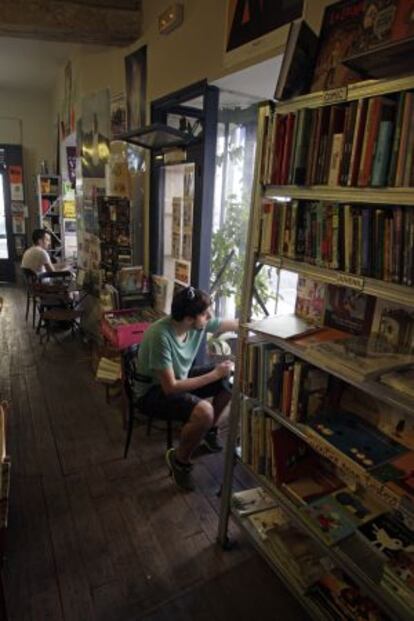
(347, 554)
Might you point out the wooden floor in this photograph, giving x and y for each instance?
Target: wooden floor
(92, 536)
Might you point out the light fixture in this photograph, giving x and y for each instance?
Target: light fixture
(171, 18)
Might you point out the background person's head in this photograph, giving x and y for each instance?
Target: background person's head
(41, 237)
(192, 306)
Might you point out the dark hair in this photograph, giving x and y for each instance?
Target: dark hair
(189, 302)
(38, 234)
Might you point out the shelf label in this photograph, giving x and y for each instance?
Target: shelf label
(349, 280)
(336, 95)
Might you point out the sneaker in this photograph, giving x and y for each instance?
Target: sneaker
(211, 441)
(180, 473)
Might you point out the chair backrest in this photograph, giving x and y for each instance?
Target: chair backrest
(30, 277)
(129, 357)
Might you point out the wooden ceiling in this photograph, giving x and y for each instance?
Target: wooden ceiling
(98, 22)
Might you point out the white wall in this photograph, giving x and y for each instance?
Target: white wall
(33, 111)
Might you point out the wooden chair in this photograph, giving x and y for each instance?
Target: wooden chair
(134, 412)
(30, 279)
(55, 303)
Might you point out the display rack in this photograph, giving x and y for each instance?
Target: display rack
(50, 211)
(345, 554)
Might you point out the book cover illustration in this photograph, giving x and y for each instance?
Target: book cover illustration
(310, 300)
(394, 324)
(352, 436)
(340, 26)
(349, 310)
(130, 279)
(327, 518)
(252, 500)
(358, 505)
(345, 600)
(267, 520)
(388, 534)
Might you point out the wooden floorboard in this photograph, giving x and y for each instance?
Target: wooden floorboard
(95, 537)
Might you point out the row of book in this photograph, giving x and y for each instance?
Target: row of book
(366, 142)
(373, 241)
(291, 386)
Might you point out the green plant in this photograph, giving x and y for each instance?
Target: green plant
(229, 245)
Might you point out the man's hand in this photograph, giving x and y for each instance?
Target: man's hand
(223, 369)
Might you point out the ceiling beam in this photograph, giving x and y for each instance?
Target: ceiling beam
(98, 22)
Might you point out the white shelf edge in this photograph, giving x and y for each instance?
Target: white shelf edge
(359, 90)
(289, 582)
(401, 294)
(342, 194)
(344, 561)
(371, 387)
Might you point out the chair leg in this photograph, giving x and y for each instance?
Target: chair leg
(129, 432)
(34, 313)
(149, 425)
(169, 434)
(27, 304)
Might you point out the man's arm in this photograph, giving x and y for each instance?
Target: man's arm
(228, 325)
(170, 385)
(49, 266)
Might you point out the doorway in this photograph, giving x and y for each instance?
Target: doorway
(6, 248)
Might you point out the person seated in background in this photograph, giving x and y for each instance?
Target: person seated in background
(36, 258)
(167, 383)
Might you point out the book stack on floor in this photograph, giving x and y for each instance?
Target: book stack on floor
(109, 370)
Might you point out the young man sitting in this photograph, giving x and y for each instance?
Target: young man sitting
(167, 383)
(36, 258)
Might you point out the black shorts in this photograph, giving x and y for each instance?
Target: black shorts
(180, 405)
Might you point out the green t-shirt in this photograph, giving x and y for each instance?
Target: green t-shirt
(161, 349)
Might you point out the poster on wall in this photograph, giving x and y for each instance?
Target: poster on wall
(136, 87)
(16, 183)
(118, 115)
(182, 272)
(251, 25)
(95, 134)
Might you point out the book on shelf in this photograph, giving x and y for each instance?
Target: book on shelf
(328, 520)
(162, 293)
(388, 533)
(252, 500)
(283, 326)
(310, 300)
(359, 505)
(398, 474)
(394, 323)
(360, 357)
(297, 64)
(129, 279)
(341, 597)
(354, 437)
(348, 310)
(288, 546)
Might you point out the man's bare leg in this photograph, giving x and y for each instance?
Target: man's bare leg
(201, 419)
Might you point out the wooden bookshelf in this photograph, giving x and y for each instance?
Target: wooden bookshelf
(50, 210)
(349, 552)
(374, 388)
(339, 553)
(341, 194)
(378, 288)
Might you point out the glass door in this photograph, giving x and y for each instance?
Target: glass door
(6, 259)
(178, 222)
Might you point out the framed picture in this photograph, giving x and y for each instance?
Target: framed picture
(136, 87)
(252, 25)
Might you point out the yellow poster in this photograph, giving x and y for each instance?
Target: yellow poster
(69, 210)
